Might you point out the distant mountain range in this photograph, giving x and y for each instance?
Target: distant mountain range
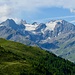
(57, 36)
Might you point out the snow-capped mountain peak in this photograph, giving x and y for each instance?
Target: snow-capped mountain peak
(51, 25)
(30, 27)
(52, 36)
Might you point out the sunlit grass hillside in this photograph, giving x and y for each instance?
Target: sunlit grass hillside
(19, 59)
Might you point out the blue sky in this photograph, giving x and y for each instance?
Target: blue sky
(53, 13)
(37, 10)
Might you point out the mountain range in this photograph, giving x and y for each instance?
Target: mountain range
(56, 36)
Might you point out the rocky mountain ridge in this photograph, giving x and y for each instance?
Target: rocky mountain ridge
(57, 36)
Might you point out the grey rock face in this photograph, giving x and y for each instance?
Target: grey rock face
(59, 40)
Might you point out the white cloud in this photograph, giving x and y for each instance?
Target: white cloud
(17, 20)
(12, 8)
(33, 4)
(3, 18)
(4, 10)
(73, 21)
(72, 10)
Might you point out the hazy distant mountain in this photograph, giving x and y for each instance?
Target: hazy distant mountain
(57, 36)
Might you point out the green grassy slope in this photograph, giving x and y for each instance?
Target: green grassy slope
(19, 59)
